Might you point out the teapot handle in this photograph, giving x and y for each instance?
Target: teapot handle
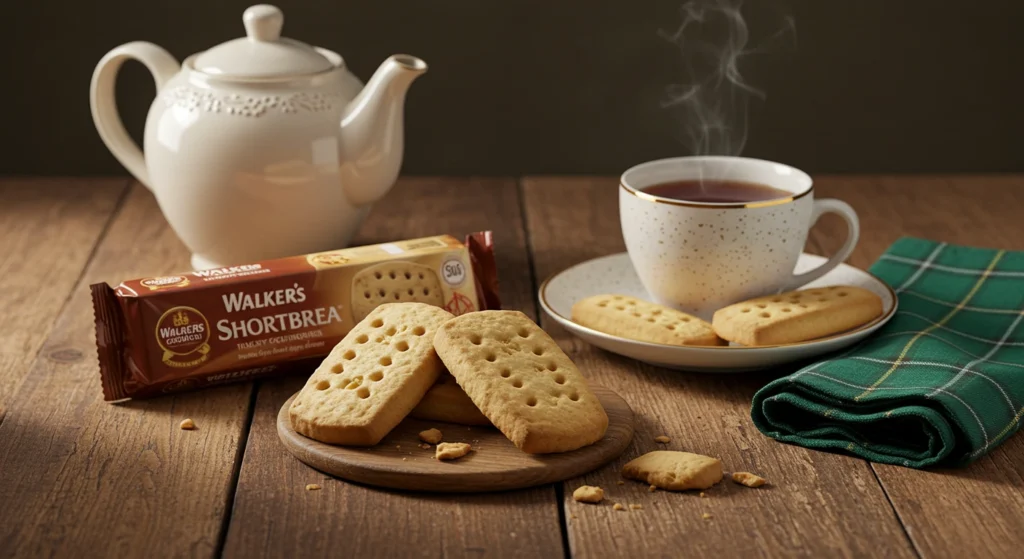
(161, 64)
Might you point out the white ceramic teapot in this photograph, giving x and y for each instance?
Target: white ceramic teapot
(262, 146)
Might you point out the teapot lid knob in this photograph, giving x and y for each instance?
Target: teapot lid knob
(263, 52)
(263, 22)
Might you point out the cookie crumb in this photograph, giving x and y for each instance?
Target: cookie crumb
(635, 507)
(706, 516)
(572, 516)
(432, 436)
(620, 482)
(404, 458)
(313, 487)
(702, 495)
(425, 446)
(588, 494)
(662, 439)
(398, 447)
(748, 479)
(617, 506)
(652, 488)
(187, 424)
(451, 451)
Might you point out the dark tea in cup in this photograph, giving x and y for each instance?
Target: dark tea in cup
(711, 191)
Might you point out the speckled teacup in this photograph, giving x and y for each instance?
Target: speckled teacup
(699, 256)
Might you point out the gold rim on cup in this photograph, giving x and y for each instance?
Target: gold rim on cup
(713, 205)
(639, 192)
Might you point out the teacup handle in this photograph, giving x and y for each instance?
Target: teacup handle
(853, 227)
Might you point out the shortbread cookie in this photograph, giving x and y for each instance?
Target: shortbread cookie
(636, 319)
(394, 282)
(446, 401)
(797, 316)
(372, 378)
(673, 470)
(588, 494)
(451, 451)
(522, 381)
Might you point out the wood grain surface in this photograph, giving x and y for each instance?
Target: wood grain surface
(80, 477)
(816, 504)
(494, 464)
(274, 515)
(91, 478)
(48, 228)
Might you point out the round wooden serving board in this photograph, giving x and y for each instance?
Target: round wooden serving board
(493, 465)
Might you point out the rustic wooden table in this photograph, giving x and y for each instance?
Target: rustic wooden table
(80, 477)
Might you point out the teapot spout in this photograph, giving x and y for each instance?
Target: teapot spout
(372, 130)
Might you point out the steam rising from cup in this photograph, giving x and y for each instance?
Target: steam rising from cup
(713, 101)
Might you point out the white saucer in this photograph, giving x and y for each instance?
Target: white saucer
(615, 274)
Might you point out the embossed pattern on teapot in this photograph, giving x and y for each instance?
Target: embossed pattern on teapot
(262, 146)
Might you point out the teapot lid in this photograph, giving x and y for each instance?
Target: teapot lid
(262, 52)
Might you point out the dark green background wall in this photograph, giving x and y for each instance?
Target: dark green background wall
(537, 86)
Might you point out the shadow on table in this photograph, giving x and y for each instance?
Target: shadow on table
(713, 385)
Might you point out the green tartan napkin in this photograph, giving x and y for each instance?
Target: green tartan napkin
(941, 384)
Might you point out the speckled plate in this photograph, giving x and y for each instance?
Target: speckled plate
(615, 274)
